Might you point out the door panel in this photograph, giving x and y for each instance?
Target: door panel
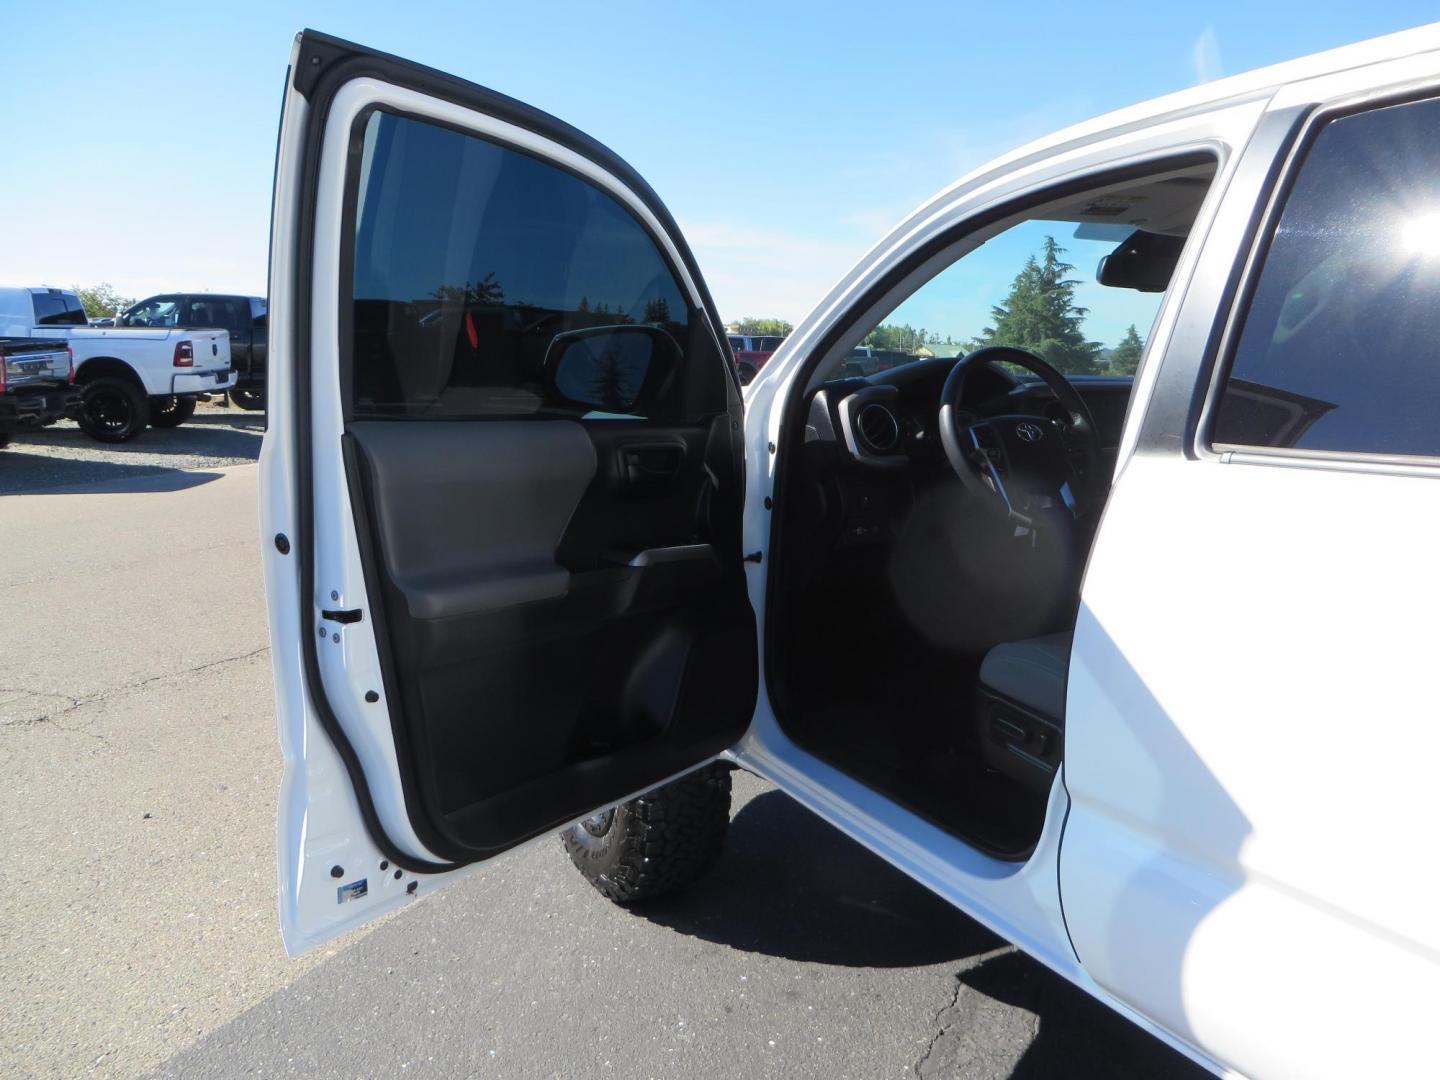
(1249, 744)
(517, 565)
(505, 442)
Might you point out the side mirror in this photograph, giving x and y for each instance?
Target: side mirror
(1144, 261)
(613, 369)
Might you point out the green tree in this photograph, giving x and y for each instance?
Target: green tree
(101, 301)
(1040, 314)
(763, 327)
(1125, 357)
(901, 338)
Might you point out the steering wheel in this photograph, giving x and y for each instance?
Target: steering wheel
(1025, 466)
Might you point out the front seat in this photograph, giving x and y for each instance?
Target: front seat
(1032, 673)
(1021, 712)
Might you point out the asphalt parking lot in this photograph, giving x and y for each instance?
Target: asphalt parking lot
(138, 933)
(63, 458)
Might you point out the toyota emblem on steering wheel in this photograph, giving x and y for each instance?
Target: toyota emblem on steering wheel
(1029, 432)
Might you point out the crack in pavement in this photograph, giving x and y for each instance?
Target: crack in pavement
(74, 703)
(939, 1022)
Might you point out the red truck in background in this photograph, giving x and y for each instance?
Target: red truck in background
(751, 351)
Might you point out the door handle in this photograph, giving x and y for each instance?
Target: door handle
(652, 464)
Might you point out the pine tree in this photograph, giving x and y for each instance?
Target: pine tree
(1125, 357)
(1041, 316)
(611, 387)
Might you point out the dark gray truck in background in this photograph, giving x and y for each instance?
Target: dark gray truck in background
(243, 316)
(37, 384)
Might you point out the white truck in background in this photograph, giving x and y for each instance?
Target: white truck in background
(129, 377)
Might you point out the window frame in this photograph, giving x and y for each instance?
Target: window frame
(880, 299)
(688, 286)
(1237, 309)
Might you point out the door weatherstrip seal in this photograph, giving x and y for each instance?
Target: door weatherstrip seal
(303, 269)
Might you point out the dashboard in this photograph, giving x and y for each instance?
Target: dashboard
(890, 419)
(872, 444)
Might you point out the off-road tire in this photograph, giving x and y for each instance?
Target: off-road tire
(248, 399)
(169, 412)
(113, 409)
(657, 843)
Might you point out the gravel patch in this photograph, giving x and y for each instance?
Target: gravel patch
(64, 458)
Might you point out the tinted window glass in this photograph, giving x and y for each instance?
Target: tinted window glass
(471, 258)
(1339, 347)
(224, 312)
(52, 310)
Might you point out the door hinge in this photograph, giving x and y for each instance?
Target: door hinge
(348, 615)
(754, 557)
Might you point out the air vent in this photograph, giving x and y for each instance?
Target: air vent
(877, 428)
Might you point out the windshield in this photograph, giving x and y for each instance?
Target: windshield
(1032, 286)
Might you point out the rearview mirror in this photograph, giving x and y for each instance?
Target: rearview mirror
(1144, 261)
(613, 369)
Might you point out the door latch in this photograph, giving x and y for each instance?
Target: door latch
(348, 615)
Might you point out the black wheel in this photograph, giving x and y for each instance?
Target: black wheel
(660, 842)
(248, 399)
(171, 411)
(113, 410)
(747, 372)
(5, 437)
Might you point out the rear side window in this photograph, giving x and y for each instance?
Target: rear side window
(222, 312)
(52, 309)
(1340, 347)
(489, 283)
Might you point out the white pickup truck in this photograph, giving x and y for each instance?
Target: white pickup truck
(130, 377)
(1136, 670)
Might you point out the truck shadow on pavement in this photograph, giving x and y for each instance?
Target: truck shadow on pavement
(790, 885)
(42, 475)
(1075, 1035)
(64, 460)
(201, 435)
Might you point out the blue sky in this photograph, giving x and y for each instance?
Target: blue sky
(786, 138)
(957, 303)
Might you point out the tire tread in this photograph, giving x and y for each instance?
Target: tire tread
(661, 841)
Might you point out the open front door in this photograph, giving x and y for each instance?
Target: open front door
(501, 486)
